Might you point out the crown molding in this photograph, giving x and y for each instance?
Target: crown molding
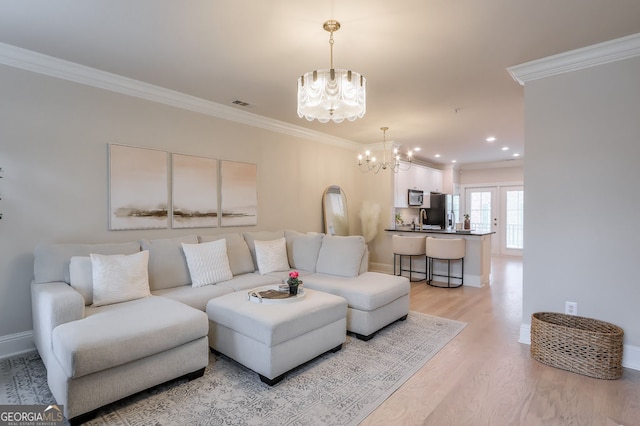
(598, 54)
(54, 67)
(493, 165)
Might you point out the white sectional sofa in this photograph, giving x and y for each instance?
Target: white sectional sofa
(100, 346)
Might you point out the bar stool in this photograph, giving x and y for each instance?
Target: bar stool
(445, 249)
(408, 246)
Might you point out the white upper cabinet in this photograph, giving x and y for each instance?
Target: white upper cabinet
(435, 180)
(417, 177)
(403, 181)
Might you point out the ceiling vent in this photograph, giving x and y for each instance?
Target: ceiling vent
(241, 103)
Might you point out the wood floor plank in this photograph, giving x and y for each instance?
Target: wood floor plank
(485, 377)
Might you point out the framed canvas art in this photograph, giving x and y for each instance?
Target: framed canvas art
(138, 188)
(238, 192)
(195, 191)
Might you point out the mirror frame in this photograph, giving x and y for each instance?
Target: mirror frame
(328, 216)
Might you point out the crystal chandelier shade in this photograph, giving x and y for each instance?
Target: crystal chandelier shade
(332, 94)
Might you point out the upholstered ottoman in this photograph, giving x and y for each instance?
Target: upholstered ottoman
(273, 338)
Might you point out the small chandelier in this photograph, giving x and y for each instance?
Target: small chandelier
(367, 163)
(332, 94)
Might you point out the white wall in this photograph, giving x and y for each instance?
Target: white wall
(54, 137)
(491, 175)
(582, 174)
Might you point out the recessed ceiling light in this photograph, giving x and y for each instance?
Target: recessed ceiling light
(417, 149)
(454, 161)
(437, 155)
(491, 139)
(505, 148)
(516, 155)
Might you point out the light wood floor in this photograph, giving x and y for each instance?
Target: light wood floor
(485, 377)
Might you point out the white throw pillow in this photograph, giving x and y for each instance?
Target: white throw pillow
(119, 277)
(271, 256)
(81, 277)
(208, 262)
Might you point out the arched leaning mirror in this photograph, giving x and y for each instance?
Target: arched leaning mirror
(334, 209)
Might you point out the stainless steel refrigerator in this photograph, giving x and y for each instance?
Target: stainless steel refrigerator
(443, 212)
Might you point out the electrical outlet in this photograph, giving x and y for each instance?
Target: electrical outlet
(571, 308)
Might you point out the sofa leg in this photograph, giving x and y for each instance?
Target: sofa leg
(196, 374)
(336, 349)
(83, 418)
(363, 337)
(402, 318)
(269, 381)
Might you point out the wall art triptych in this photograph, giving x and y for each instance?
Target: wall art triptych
(150, 190)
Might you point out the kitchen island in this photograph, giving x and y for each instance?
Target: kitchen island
(477, 257)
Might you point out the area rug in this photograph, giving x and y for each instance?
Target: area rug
(340, 388)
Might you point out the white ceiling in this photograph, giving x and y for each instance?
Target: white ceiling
(435, 69)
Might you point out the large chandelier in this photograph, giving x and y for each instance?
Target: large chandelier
(396, 162)
(331, 94)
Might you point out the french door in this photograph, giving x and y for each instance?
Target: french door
(482, 207)
(512, 209)
(500, 210)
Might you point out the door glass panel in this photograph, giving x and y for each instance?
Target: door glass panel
(514, 219)
(480, 211)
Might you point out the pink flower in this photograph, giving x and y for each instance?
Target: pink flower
(293, 279)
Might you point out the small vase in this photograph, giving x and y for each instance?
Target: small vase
(467, 224)
(293, 290)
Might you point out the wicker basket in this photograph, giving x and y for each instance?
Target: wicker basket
(581, 345)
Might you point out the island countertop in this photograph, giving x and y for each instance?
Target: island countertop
(440, 231)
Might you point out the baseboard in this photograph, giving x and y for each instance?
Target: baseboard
(384, 268)
(630, 354)
(16, 344)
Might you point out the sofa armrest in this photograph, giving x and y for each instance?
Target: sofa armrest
(52, 304)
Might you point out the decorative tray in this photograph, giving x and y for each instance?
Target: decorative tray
(271, 294)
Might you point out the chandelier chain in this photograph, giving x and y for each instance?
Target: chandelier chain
(331, 48)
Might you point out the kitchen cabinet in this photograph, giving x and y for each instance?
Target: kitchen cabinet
(403, 181)
(434, 180)
(417, 177)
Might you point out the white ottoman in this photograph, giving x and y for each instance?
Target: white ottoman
(272, 339)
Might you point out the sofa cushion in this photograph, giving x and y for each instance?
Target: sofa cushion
(271, 256)
(240, 260)
(81, 277)
(366, 292)
(341, 256)
(114, 335)
(208, 262)
(51, 261)
(119, 277)
(167, 264)
(196, 297)
(250, 237)
(248, 281)
(303, 249)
